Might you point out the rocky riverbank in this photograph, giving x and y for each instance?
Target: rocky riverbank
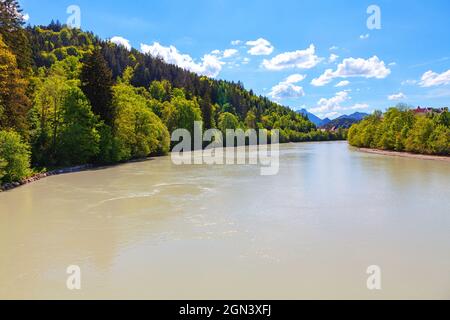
(39, 176)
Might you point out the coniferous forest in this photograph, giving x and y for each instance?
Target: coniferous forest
(69, 98)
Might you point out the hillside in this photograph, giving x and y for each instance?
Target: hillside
(69, 98)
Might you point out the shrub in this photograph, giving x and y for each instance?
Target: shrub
(16, 157)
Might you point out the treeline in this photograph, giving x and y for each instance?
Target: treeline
(400, 129)
(68, 98)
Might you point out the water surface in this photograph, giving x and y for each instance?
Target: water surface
(153, 230)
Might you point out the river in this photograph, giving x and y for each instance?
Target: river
(154, 230)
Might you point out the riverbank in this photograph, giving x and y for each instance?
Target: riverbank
(56, 172)
(42, 175)
(404, 154)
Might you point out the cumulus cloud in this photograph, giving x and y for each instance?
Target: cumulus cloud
(245, 60)
(433, 79)
(333, 57)
(334, 105)
(228, 53)
(26, 17)
(236, 42)
(343, 83)
(209, 66)
(397, 96)
(260, 47)
(288, 88)
(120, 41)
(300, 59)
(351, 68)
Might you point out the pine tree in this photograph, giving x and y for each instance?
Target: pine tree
(14, 36)
(96, 79)
(14, 104)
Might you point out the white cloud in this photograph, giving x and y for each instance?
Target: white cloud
(351, 68)
(26, 17)
(245, 60)
(210, 65)
(295, 78)
(228, 53)
(334, 106)
(121, 42)
(343, 83)
(409, 82)
(288, 88)
(327, 105)
(333, 48)
(433, 79)
(301, 59)
(333, 57)
(236, 42)
(392, 64)
(260, 47)
(364, 36)
(397, 96)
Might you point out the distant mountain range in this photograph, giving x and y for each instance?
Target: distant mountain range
(314, 119)
(345, 121)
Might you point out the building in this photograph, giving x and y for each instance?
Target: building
(425, 111)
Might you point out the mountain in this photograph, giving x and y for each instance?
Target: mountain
(357, 116)
(314, 119)
(345, 121)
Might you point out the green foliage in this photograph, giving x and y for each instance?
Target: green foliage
(228, 121)
(138, 131)
(161, 90)
(3, 164)
(108, 150)
(15, 157)
(399, 129)
(181, 113)
(250, 120)
(78, 141)
(14, 103)
(13, 34)
(63, 124)
(46, 117)
(96, 82)
(94, 101)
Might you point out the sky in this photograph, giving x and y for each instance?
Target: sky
(331, 57)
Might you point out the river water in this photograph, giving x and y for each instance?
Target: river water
(153, 230)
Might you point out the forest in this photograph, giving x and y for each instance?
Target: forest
(69, 98)
(401, 129)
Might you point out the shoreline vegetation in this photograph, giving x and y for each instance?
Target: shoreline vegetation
(39, 176)
(69, 98)
(60, 171)
(401, 129)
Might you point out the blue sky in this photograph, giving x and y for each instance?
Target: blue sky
(319, 54)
